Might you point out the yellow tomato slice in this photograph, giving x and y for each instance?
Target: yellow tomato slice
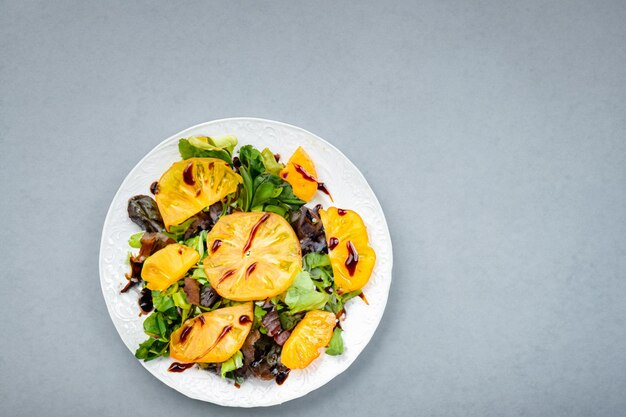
(168, 265)
(191, 185)
(350, 254)
(301, 174)
(252, 256)
(312, 333)
(212, 337)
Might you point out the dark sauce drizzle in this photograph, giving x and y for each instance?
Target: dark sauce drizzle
(216, 245)
(244, 319)
(128, 286)
(225, 276)
(154, 188)
(353, 258)
(185, 333)
(188, 174)
(362, 296)
(250, 269)
(332, 243)
(342, 212)
(320, 185)
(201, 320)
(281, 377)
(223, 334)
(179, 367)
(145, 301)
(304, 173)
(258, 224)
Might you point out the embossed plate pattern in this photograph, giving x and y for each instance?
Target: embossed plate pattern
(349, 190)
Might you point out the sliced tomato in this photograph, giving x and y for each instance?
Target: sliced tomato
(191, 185)
(301, 174)
(212, 337)
(252, 256)
(312, 333)
(351, 256)
(168, 265)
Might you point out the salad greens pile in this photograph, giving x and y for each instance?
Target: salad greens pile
(262, 190)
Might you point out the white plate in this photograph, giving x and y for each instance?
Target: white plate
(349, 189)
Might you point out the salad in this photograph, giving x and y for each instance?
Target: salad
(234, 272)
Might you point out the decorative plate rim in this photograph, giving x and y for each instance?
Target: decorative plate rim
(318, 380)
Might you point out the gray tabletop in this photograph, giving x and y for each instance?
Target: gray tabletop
(493, 133)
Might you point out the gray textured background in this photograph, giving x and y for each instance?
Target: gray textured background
(493, 132)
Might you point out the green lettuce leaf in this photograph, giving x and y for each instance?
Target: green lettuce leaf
(302, 294)
(349, 295)
(135, 240)
(199, 274)
(195, 147)
(335, 346)
(178, 231)
(273, 194)
(318, 265)
(162, 301)
(270, 163)
(180, 299)
(198, 243)
(162, 322)
(259, 313)
(226, 142)
(315, 260)
(288, 321)
(235, 362)
(251, 167)
(261, 189)
(251, 160)
(151, 349)
(155, 325)
(334, 303)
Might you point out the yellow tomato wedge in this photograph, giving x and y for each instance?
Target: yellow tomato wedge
(168, 265)
(212, 337)
(301, 174)
(312, 333)
(190, 185)
(252, 256)
(350, 254)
